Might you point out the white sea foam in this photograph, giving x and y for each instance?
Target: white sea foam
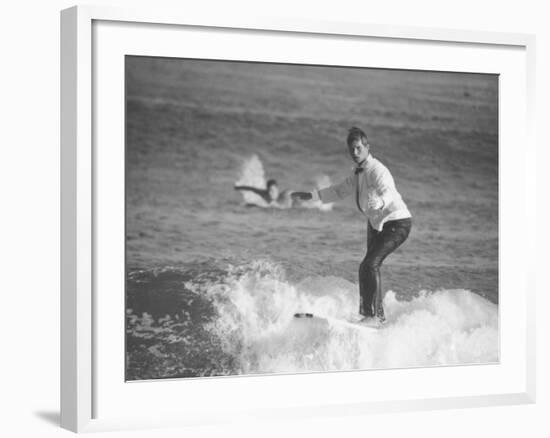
(256, 305)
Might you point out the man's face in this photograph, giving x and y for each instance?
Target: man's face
(358, 151)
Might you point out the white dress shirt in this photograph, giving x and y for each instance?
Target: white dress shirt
(372, 180)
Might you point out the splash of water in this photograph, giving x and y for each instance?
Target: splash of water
(256, 304)
(252, 174)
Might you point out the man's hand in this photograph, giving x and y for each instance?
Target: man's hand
(301, 196)
(374, 202)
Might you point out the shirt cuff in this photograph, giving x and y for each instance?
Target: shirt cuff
(315, 195)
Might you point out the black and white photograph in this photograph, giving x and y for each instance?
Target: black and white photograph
(286, 218)
(266, 219)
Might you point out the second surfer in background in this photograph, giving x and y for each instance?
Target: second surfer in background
(271, 194)
(388, 219)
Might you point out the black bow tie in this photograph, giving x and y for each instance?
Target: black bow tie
(359, 170)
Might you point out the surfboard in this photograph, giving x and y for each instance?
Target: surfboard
(319, 321)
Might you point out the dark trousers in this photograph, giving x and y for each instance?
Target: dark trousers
(379, 245)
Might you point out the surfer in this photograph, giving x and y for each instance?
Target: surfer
(271, 194)
(388, 218)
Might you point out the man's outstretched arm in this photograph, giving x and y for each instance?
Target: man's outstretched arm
(329, 194)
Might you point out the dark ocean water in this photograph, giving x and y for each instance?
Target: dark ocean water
(212, 284)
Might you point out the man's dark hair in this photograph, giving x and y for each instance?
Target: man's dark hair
(271, 182)
(354, 134)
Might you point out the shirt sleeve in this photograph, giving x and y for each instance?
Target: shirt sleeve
(338, 191)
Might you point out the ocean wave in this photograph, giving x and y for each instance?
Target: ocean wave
(256, 325)
(240, 320)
